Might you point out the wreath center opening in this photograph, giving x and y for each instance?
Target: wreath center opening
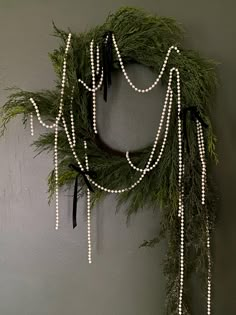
(128, 120)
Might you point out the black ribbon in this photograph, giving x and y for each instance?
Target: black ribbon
(107, 61)
(194, 115)
(84, 174)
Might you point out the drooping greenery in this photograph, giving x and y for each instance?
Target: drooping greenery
(142, 39)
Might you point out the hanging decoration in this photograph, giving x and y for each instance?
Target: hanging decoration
(171, 174)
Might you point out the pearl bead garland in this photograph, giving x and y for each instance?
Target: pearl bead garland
(169, 97)
(94, 87)
(55, 126)
(201, 147)
(126, 75)
(31, 124)
(98, 61)
(72, 116)
(88, 209)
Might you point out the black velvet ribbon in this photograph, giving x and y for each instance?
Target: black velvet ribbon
(75, 199)
(107, 61)
(194, 115)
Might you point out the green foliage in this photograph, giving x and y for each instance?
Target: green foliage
(143, 39)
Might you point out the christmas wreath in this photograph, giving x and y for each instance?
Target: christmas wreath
(177, 162)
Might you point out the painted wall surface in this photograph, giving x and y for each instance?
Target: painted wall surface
(46, 272)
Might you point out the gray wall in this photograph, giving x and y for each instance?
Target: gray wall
(46, 272)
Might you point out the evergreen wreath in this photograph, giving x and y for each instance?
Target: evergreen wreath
(143, 39)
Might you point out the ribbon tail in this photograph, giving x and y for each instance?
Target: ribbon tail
(74, 217)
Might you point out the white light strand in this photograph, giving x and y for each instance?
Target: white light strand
(31, 124)
(88, 209)
(72, 117)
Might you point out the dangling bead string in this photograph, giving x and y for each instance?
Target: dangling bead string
(179, 144)
(93, 87)
(181, 277)
(156, 139)
(209, 285)
(62, 91)
(98, 61)
(72, 117)
(88, 209)
(126, 75)
(31, 124)
(169, 97)
(181, 195)
(160, 127)
(202, 153)
(71, 143)
(55, 125)
(97, 87)
(56, 176)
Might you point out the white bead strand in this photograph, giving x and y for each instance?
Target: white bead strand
(98, 61)
(182, 248)
(209, 284)
(56, 176)
(179, 142)
(93, 87)
(126, 75)
(88, 210)
(97, 87)
(71, 143)
(181, 195)
(202, 158)
(72, 117)
(201, 147)
(55, 125)
(155, 142)
(62, 91)
(168, 97)
(31, 124)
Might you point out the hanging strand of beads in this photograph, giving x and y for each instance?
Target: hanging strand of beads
(181, 196)
(98, 61)
(55, 126)
(202, 154)
(72, 117)
(93, 87)
(31, 124)
(88, 209)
